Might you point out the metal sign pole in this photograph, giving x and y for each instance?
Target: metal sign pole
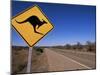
(29, 60)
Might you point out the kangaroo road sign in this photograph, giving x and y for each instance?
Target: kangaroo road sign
(32, 25)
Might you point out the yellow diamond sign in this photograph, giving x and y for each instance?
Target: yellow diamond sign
(32, 25)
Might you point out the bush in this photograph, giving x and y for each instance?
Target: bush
(91, 46)
(21, 67)
(68, 46)
(39, 50)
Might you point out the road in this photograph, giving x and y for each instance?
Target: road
(62, 60)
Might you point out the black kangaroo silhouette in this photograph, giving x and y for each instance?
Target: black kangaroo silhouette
(34, 21)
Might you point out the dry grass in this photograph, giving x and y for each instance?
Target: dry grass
(19, 60)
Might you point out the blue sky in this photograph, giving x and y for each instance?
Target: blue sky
(72, 23)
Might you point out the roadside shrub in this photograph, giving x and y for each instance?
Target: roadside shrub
(21, 67)
(39, 50)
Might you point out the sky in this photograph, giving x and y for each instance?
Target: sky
(72, 23)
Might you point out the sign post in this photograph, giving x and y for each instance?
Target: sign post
(29, 60)
(32, 25)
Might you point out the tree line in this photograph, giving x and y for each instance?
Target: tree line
(88, 46)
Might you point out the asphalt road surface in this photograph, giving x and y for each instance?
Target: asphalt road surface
(63, 60)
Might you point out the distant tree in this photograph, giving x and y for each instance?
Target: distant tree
(88, 43)
(94, 47)
(78, 45)
(74, 47)
(68, 46)
(91, 46)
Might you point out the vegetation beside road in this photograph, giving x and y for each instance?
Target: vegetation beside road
(19, 58)
(88, 47)
(20, 54)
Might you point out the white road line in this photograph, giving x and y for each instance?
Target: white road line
(77, 62)
(72, 60)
